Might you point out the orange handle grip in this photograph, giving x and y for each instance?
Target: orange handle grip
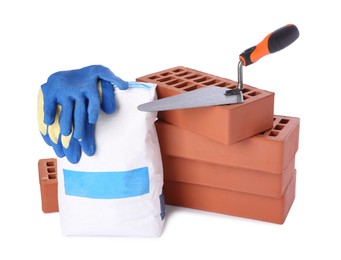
(273, 42)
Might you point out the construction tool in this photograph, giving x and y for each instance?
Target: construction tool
(215, 95)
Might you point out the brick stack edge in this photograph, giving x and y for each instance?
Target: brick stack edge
(234, 159)
(237, 159)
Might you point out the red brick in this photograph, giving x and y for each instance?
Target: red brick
(270, 151)
(227, 124)
(227, 177)
(233, 203)
(47, 169)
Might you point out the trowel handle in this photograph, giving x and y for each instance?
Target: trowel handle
(275, 41)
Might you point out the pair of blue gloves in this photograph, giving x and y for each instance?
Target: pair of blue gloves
(69, 104)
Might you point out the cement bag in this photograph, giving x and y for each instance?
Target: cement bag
(118, 191)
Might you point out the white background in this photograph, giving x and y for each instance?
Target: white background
(134, 38)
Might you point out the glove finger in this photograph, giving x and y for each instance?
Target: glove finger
(53, 130)
(49, 106)
(88, 142)
(79, 118)
(58, 148)
(93, 104)
(40, 116)
(73, 151)
(107, 93)
(65, 119)
(107, 75)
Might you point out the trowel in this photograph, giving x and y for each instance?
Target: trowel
(215, 95)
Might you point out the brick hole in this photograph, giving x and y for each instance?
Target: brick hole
(178, 70)
(245, 90)
(193, 87)
(245, 97)
(279, 127)
(51, 170)
(275, 119)
(165, 74)
(49, 163)
(154, 77)
(210, 82)
(224, 84)
(192, 76)
(284, 121)
(165, 79)
(182, 74)
(273, 133)
(181, 85)
(255, 93)
(202, 79)
(52, 176)
(172, 82)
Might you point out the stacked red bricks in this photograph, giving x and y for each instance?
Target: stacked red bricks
(233, 159)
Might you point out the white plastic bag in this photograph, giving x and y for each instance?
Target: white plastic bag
(118, 191)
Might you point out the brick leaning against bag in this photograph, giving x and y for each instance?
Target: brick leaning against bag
(118, 191)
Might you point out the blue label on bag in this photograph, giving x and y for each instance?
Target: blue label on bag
(107, 185)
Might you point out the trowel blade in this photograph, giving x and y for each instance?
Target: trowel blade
(201, 97)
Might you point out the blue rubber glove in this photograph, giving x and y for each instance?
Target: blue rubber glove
(68, 108)
(65, 145)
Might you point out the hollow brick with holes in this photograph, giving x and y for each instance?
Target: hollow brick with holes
(47, 169)
(232, 203)
(227, 124)
(270, 151)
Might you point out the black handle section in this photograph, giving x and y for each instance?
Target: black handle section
(282, 38)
